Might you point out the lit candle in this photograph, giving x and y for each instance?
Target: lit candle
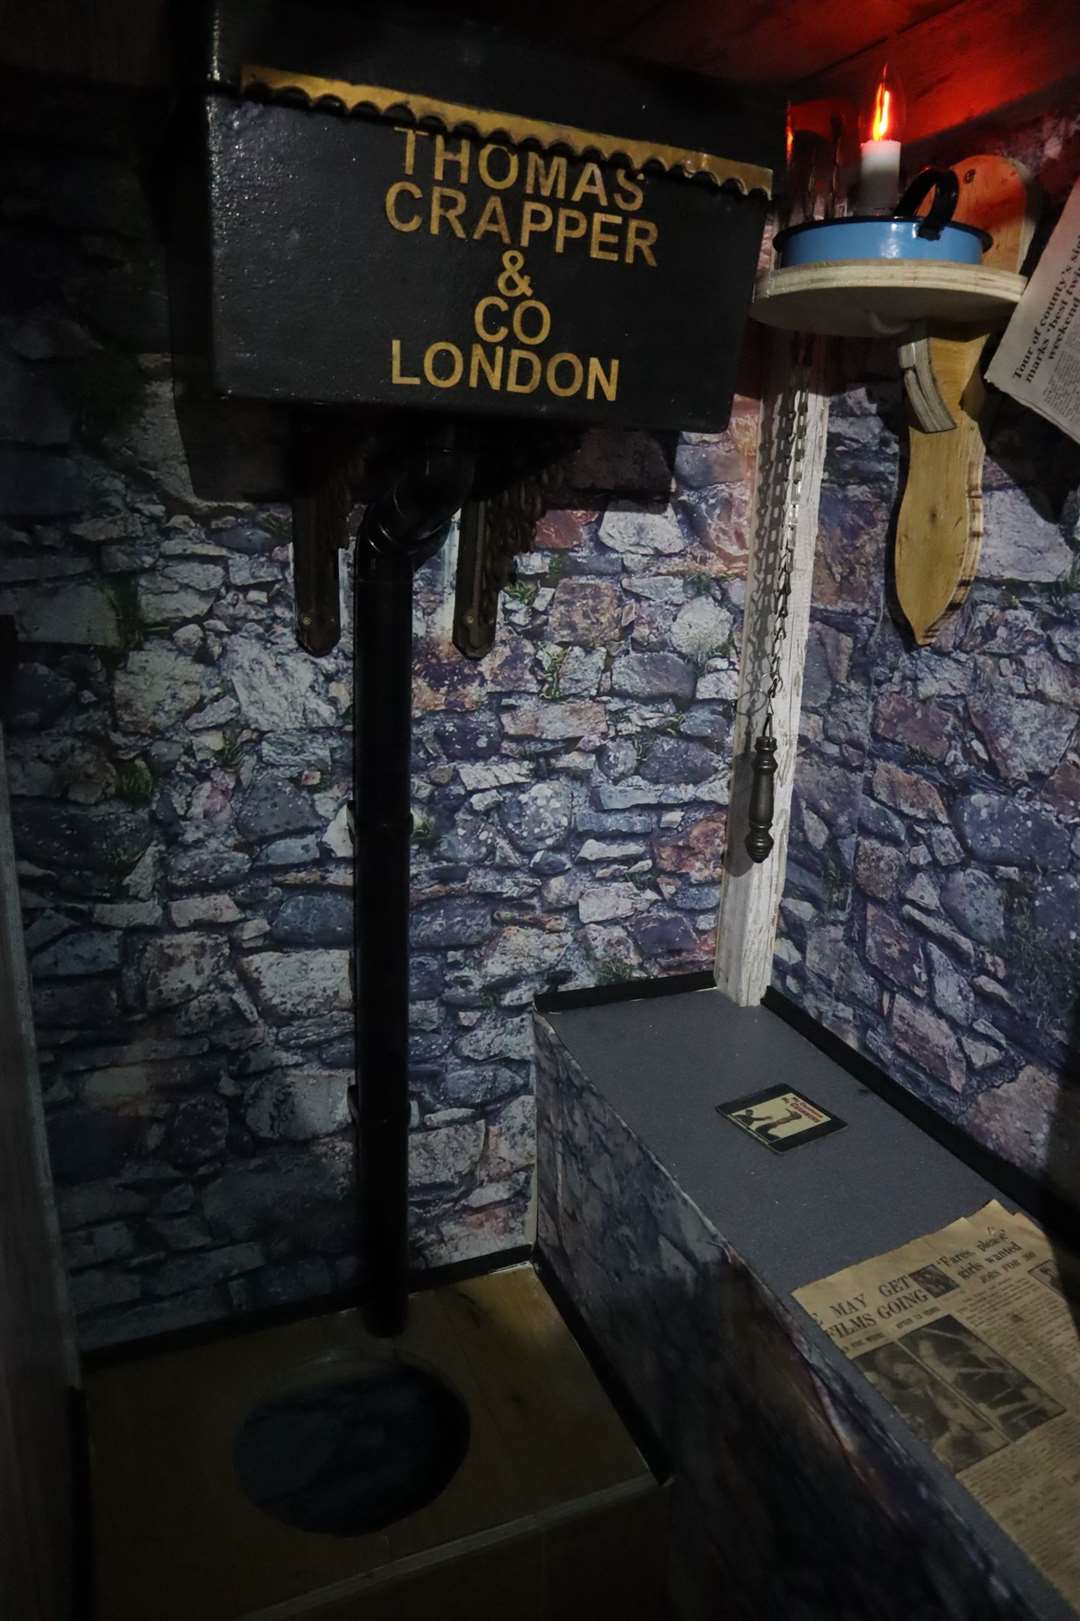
(879, 166)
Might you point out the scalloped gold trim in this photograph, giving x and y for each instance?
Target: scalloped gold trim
(455, 116)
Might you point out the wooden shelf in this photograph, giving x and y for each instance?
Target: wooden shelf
(874, 298)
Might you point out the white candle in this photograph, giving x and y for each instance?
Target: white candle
(879, 176)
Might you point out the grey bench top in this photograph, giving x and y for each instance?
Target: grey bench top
(665, 1062)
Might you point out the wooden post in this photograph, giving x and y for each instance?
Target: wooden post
(783, 493)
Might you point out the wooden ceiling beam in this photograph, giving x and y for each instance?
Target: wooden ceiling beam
(127, 43)
(767, 42)
(960, 60)
(979, 58)
(567, 24)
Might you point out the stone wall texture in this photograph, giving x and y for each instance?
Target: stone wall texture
(180, 770)
(932, 908)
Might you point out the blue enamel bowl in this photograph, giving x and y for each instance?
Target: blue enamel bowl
(873, 237)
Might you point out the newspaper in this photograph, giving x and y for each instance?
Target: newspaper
(967, 1333)
(1038, 360)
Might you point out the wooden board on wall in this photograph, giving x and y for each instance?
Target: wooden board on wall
(129, 42)
(36, 1360)
(761, 42)
(976, 58)
(118, 42)
(611, 1561)
(786, 496)
(959, 61)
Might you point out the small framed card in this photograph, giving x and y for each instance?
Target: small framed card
(780, 1118)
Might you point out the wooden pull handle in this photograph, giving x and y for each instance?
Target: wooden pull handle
(939, 530)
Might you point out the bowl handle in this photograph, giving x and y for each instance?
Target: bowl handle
(946, 188)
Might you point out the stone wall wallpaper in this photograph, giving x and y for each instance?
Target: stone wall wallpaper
(179, 773)
(180, 770)
(932, 906)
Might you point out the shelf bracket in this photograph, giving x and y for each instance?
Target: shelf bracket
(940, 526)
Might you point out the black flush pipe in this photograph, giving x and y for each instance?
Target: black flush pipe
(399, 531)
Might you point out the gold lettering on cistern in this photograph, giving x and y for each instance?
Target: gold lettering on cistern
(518, 198)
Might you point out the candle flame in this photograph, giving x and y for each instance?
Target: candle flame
(882, 117)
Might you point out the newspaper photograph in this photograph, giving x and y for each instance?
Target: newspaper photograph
(968, 1335)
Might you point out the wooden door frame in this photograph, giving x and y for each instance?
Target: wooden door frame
(38, 1360)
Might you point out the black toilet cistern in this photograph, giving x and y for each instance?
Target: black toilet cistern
(588, 261)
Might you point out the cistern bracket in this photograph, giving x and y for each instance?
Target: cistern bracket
(515, 471)
(940, 314)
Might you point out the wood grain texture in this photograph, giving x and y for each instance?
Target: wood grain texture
(959, 61)
(970, 59)
(940, 526)
(920, 384)
(750, 896)
(763, 42)
(566, 22)
(118, 42)
(135, 42)
(545, 1445)
(608, 1560)
(37, 1361)
(876, 298)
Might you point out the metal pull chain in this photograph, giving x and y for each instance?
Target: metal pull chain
(785, 448)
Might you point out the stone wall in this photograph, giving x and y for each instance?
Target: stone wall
(179, 772)
(932, 909)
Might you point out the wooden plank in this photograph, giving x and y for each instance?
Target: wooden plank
(976, 58)
(37, 1359)
(607, 1556)
(118, 42)
(940, 525)
(1000, 196)
(612, 1563)
(564, 23)
(165, 1428)
(502, 1579)
(544, 1442)
(750, 896)
(539, 1385)
(881, 298)
(760, 42)
(959, 61)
